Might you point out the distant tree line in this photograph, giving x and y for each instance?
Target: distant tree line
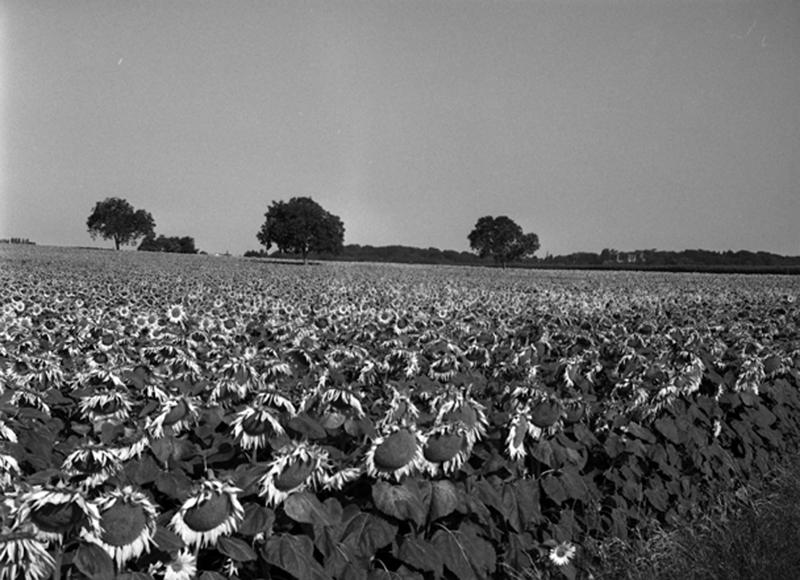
(395, 253)
(301, 229)
(24, 241)
(663, 258)
(175, 245)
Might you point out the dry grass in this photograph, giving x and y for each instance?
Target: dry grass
(753, 535)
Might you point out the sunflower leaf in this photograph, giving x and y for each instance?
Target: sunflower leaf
(94, 562)
(236, 549)
(305, 508)
(400, 501)
(295, 554)
(167, 540)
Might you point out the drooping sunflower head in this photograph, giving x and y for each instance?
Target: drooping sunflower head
(9, 470)
(252, 427)
(56, 513)
(444, 367)
(213, 510)
(107, 405)
(297, 467)
(546, 413)
(520, 428)
(446, 448)
(91, 464)
(22, 556)
(127, 524)
(466, 413)
(396, 454)
(176, 416)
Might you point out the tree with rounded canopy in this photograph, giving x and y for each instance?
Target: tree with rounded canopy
(301, 226)
(502, 239)
(115, 219)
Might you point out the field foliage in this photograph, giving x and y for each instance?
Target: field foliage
(180, 416)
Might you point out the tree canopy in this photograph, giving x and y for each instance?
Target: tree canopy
(116, 219)
(502, 239)
(301, 226)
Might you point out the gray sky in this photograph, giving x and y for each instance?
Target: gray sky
(594, 123)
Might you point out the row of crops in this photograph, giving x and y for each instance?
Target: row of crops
(180, 417)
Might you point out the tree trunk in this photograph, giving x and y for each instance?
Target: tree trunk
(116, 243)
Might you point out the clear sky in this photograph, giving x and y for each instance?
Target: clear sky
(627, 124)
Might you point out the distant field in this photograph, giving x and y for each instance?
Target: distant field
(374, 420)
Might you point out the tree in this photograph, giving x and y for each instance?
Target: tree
(114, 218)
(301, 226)
(502, 239)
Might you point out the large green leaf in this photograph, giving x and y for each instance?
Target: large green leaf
(403, 502)
(257, 520)
(235, 549)
(444, 499)
(167, 540)
(365, 534)
(304, 507)
(421, 555)
(554, 489)
(465, 553)
(295, 555)
(666, 426)
(94, 562)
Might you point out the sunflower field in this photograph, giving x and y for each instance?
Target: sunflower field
(175, 417)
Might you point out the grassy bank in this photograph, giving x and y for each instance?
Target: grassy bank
(753, 535)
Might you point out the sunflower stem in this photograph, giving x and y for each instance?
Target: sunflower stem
(57, 565)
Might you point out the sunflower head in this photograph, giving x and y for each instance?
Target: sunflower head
(127, 524)
(546, 413)
(56, 513)
(296, 468)
(442, 447)
(396, 454)
(212, 511)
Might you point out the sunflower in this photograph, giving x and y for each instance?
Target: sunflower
(562, 554)
(212, 511)
(178, 413)
(343, 397)
(387, 317)
(444, 368)
(23, 556)
(276, 400)
(127, 524)
(445, 450)
(9, 470)
(478, 356)
(403, 325)
(130, 444)
(296, 468)
(108, 406)
(53, 513)
(520, 427)
(253, 426)
(176, 314)
(462, 410)
(401, 409)
(92, 463)
(25, 397)
(182, 567)
(396, 454)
